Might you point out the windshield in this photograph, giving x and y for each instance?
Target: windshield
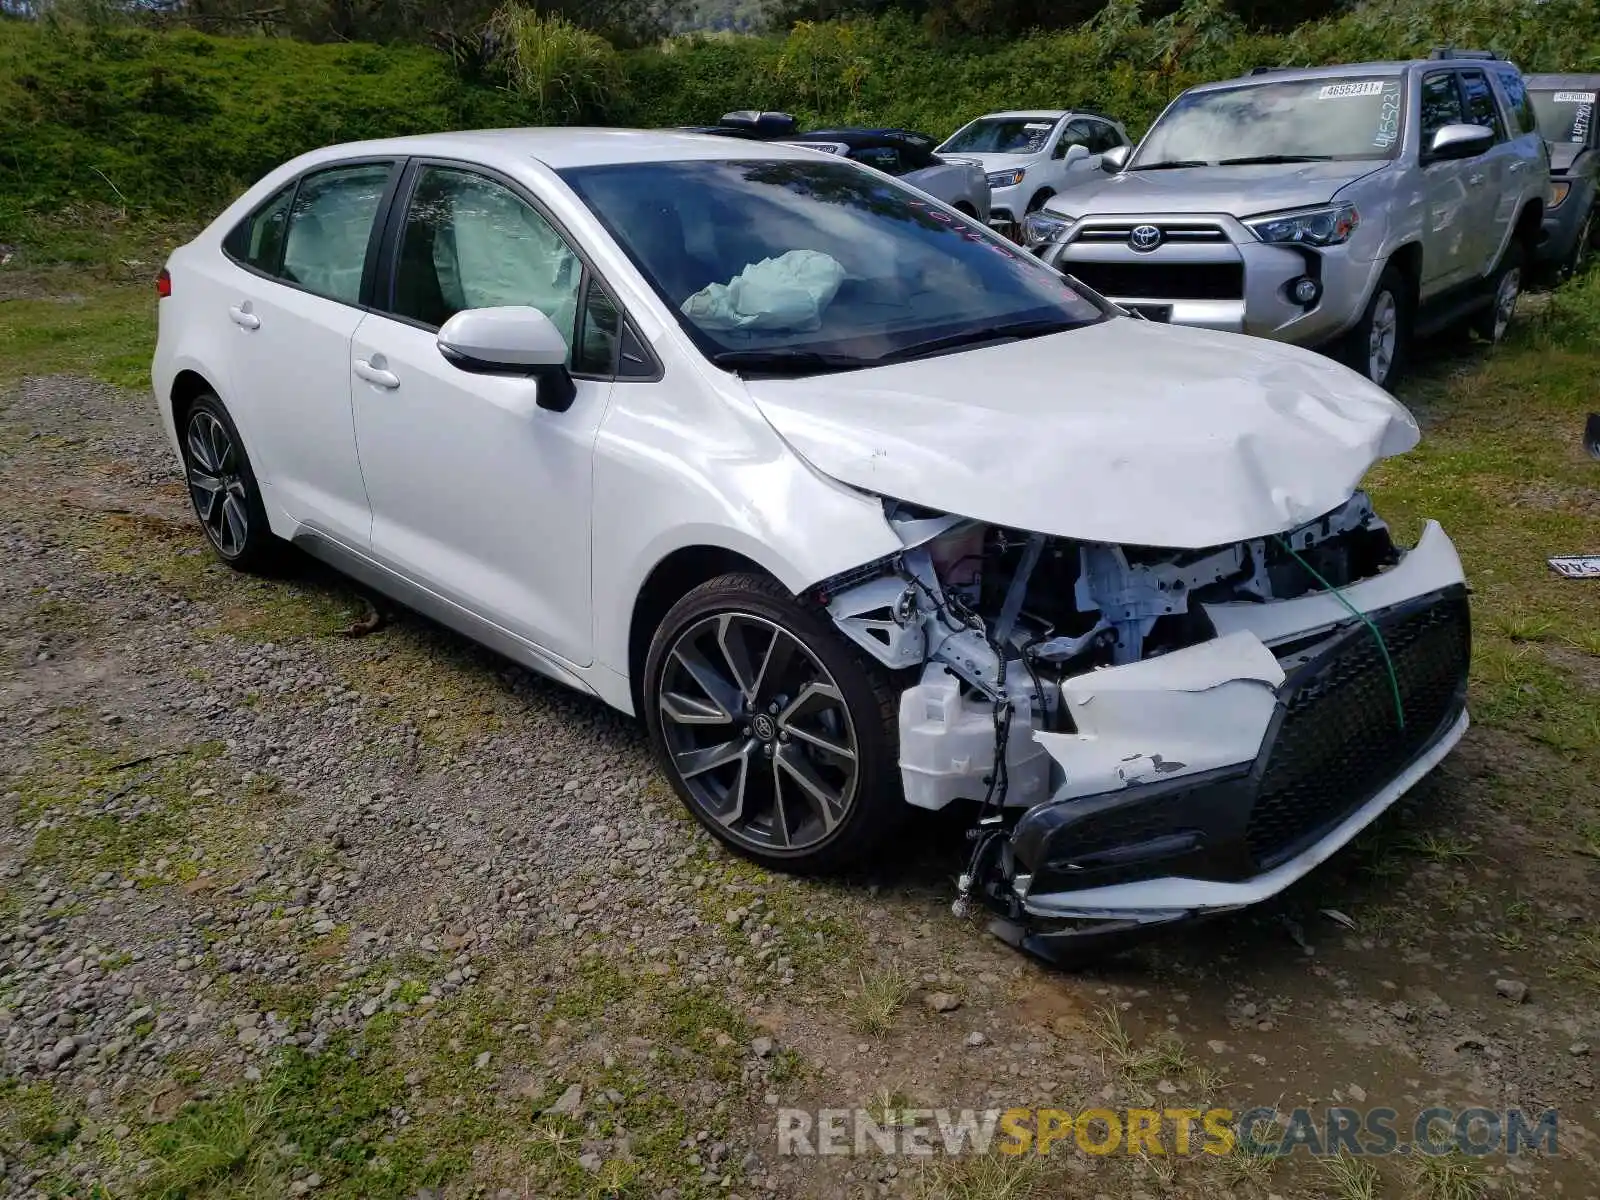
(1564, 116)
(1300, 120)
(1002, 135)
(819, 265)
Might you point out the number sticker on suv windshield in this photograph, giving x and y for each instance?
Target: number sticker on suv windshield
(1339, 91)
(1574, 97)
(1388, 132)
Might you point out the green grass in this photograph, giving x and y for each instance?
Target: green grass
(1351, 1178)
(67, 800)
(82, 328)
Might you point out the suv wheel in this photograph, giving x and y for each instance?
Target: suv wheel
(775, 732)
(1377, 346)
(1492, 322)
(223, 488)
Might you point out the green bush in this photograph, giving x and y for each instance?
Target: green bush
(177, 122)
(565, 74)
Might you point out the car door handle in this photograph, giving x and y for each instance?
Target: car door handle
(243, 317)
(376, 375)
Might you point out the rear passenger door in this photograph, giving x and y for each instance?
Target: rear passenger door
(303, 259)
(1493, 188)
(1449, 245)
(479, 495)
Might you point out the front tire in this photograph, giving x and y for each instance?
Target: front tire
(1378, 344)
(777, 734)
(223, 489)
(1492, 322)
(1040, 199)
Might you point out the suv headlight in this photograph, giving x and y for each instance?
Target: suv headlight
(1559, 192)
(1009, 178)
(1326, 226)
(1042, 228)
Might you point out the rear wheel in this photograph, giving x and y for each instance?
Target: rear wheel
(775, 732)
(1377, 345)
(223, 489)
(1492, 322)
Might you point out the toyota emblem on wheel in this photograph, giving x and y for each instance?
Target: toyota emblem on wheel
(1144, 237)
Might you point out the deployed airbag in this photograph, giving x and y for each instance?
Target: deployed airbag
(788, 292)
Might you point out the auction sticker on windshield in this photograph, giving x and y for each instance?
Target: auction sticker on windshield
(1574, 97)
(1340, 91)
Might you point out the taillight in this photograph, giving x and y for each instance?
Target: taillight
(164, 284)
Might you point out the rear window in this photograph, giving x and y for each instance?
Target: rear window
(257, 241)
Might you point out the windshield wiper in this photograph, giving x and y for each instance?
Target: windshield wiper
(788, 361)
(1268, 159)
(1172, 164)
(1015, 331)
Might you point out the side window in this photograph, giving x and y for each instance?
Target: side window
(884, 158)
(330, 224)
(470, 242)
(1441, 105)
(1103, 137)
(1480, 103)
(1517, 98)
(1077, 133)
(599, 333)
(257, 241)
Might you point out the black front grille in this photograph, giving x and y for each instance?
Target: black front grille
(1339, 741)
(1162, 281)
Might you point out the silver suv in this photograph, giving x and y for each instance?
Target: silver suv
(1348, 207)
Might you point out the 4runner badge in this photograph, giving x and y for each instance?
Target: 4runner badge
(1144, 237)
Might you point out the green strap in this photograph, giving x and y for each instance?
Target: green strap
(1377, 636)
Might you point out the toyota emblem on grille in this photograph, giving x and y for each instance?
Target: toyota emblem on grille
(1144, 237)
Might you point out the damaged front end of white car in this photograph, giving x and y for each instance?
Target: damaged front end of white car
(1155, 734)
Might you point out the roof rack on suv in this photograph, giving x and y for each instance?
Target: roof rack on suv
(1452, 52)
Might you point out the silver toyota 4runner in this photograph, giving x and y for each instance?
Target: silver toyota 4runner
(1350, 208)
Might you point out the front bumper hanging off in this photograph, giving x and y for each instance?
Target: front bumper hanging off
(1079, 872)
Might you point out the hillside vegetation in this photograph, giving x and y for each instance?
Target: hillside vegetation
(173, 122)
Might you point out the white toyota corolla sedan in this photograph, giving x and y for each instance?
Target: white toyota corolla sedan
(857, 505)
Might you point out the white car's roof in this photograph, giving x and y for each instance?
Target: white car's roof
(560, 148)
(1027, 114)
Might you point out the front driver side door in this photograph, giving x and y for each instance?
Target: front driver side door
(478, 494)
(1448, 241)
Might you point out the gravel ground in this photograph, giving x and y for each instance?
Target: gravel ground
(293, 908)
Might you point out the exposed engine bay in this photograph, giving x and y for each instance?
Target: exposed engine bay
(1052, 677)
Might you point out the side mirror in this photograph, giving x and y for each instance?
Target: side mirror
(1076, 153)
(1114, 159)
(514, 340)
(1460, 141)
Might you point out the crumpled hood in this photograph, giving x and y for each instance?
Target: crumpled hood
(1123, 432)
(1241, 191)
